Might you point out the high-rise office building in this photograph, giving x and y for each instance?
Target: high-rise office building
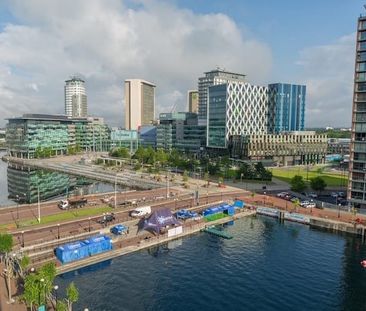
(235, 108)
(193, 101)
(286, 107)
(214, 77)
(75, 98)
(356, 193)
(139, 103)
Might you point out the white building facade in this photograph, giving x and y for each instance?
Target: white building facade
(75, 98)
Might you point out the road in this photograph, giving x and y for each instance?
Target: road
(17, 214)
(39, 235)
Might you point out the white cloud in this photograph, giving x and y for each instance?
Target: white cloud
(109, 42)
(327, 71)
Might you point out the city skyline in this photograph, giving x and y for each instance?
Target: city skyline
(31, 81)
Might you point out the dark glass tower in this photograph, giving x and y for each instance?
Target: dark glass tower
(357, 170)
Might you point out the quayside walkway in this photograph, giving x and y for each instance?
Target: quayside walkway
(120, 249)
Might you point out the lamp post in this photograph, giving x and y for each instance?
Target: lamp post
(58, 231)
(41, 281)
(115, 191)
(56, 288)
(39, 206)
(22, 238)
(264, 198)
(17, 199)
(339, 210)
(89, 223)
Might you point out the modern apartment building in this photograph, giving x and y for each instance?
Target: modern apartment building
(235, 108)
(139, 103)
(356, 193)
(192, 101)
(213, 77)
(286, 107)
(75, 98)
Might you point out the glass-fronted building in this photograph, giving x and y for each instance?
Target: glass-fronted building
(286, 107)
(34, 134)
(213, 77)
(180, 130)
(235, 108)
(357, 168)
(124, 138)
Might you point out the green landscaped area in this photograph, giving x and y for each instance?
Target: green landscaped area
(68, 215)
(332, 179)
(215, 217)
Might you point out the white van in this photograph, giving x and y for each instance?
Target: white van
(141, 211)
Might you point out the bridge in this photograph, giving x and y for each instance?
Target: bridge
(94, 172)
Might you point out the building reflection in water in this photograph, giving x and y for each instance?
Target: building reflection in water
(24, 182)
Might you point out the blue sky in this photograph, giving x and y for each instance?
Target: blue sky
(171, 43)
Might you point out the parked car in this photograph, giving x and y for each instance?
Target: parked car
(313, 195)
(311, 205)
(141, 211)
(282, 194)
(341, 194)
(294, 199)
(107, 218)
(304, 203)
(334, 195)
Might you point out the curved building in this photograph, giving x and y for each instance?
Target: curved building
(75, 98)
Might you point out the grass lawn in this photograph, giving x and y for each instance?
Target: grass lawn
(332, 179)
(68, 215)
(215, 217)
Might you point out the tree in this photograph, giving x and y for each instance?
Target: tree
(318, 184)
(207, 178)
(185, 176)
(38, 286)
(72, 295)
(6, 243)
(297, 183)
(296, 204)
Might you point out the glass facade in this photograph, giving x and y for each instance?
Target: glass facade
(214, 77)
(216, 123)
(124, 138)
(23, 184)
(148, 103)
(26, 135)
(286, 107)
(357, 177)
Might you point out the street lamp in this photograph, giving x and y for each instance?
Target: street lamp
(264, 198)
(22, 238)
(41, 281)
(339, 210)
(58, 231)
(89, 223)
(56, 288)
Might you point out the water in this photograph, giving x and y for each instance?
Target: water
(267, 266)
(15, 182)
